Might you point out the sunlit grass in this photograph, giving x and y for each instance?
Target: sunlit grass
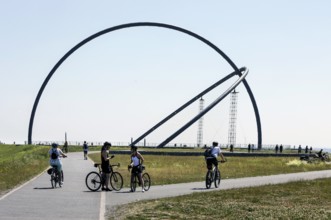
(297, 200)
(181, 169)
(20, 163)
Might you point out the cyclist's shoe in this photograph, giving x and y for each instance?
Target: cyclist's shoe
(143, 190)
(106, 189)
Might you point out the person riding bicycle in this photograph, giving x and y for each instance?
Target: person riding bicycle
(105, 166)
(136, 165)
(55, 154)
(211, 155)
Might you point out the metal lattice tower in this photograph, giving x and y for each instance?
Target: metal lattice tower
(200, 125)
(232, 118)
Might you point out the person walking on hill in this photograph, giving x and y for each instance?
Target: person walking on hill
(281, 148)
(85, 149)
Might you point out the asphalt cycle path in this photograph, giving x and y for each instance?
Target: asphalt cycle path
(37, 200)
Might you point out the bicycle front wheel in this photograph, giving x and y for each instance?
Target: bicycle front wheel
(93, 181)
(134, 183)
(116, 181)
(208, 179)
(217, 180)
(147, 181)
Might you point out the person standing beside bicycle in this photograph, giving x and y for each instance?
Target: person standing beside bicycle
(55, 154)
(105, 166)
(136, 165)
(211, 155)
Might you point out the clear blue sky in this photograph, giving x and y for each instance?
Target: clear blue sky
(121, 84)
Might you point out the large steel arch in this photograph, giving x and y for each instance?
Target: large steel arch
(139, 24)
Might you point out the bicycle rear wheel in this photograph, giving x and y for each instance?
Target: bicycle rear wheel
(208, 179)
(93, 181)
(147, 181)
(217, 180)
(116, 181)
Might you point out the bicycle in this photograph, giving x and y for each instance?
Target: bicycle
(213, 175)
(145, 178)
(55, 176)
(95, 179)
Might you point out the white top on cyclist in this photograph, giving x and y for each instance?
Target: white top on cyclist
(135, 161)
(215, 151)
(58, 152)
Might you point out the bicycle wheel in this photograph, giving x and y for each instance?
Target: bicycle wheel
(116, 181)
(134, 183)
(217, 178)
(58, 179)
(53, 180)
(147, 181)
(208, 179)
(93, 181)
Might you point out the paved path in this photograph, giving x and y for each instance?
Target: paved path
(37, 200)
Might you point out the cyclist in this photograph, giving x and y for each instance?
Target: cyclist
(55, 154)
(105, 166)
(136, 165)
(211, 155)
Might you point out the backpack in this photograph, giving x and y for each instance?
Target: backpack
(54, 154)
(207, 152)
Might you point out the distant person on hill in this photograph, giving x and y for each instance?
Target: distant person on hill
(310, 150)
(85, 149)
(249, 148)
(276, 149)
(65, 147)
(281, 148)
(306, 150)
(299, 149)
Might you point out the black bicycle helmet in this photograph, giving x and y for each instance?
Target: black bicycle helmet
(107, 144)
(55, 145)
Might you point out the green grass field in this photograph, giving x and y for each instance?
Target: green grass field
(181, 169)
(297, 200)
(20, 163)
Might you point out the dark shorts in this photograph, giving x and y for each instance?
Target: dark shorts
(105, 168)
(210, 161)
(136, 169)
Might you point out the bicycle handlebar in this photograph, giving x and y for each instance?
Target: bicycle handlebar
(115, 165)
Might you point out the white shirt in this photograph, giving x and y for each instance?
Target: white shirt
(215, 151)
(58, 152)
(135, 161)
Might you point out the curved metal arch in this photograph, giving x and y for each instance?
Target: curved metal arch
(138, 24)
